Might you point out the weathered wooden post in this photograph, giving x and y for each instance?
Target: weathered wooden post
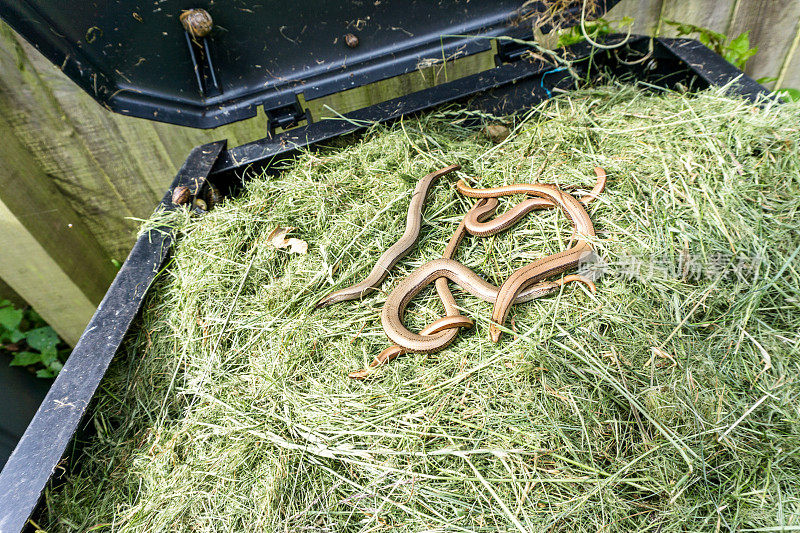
(47, 254)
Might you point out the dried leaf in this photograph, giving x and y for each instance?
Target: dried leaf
(278, 239)
(497, 133)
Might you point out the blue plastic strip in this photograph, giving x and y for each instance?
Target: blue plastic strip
(541, 83)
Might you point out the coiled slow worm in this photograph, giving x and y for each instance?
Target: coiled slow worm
(446, 269)
(440, 333)
(546, 266)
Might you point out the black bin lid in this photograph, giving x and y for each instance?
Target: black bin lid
(134, 57)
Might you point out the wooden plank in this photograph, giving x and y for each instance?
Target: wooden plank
(31, 196)
(789, 76)
(59, 148)
(772, 25)
(31, 271)
(49, 256)
(7, 293)
(712, 14)
(645, 14)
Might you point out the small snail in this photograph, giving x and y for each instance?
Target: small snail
(181, 195)
(199, 202)
(351, 40)
(197, 22)
(213, 196)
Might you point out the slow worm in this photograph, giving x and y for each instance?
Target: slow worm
(524, 284)
(446, 269)
(541, 268)
(394, 308)
(395, 252)
(475, 220)
(447, 323)
(440, 333)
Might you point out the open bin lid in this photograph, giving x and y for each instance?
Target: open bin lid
(136, 59)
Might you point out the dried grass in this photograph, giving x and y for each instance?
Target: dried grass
(666, 402)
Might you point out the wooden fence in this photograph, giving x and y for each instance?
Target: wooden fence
(74, 177)
(774, 27)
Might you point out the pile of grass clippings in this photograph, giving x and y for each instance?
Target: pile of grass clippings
(668, 401)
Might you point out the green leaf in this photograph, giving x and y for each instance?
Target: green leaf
(10, 318)
(681, 28)
(574, 34)
(42, 339)
(739, 60)
(741, 43)
(626, 21)
(766, 79)
(793, 95)
(739, 51)
(26, 359)
(710, 38)
(49, 356)
(15, 336)
(55, 367)
(569, 37)
(45, 373)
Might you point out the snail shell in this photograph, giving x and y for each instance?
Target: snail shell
(351, 40)
(199, 202)
(213, 196)
(181, 195)
(197, 22)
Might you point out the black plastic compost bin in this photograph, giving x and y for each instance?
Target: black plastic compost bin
(141, 62)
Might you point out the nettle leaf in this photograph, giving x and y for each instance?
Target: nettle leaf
(26, 359)
(10, 318)
(681, 28)
(748, 54)
(42, 339)
(51, 369)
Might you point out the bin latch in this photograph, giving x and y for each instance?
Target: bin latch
(285, 117)
(510, 51)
